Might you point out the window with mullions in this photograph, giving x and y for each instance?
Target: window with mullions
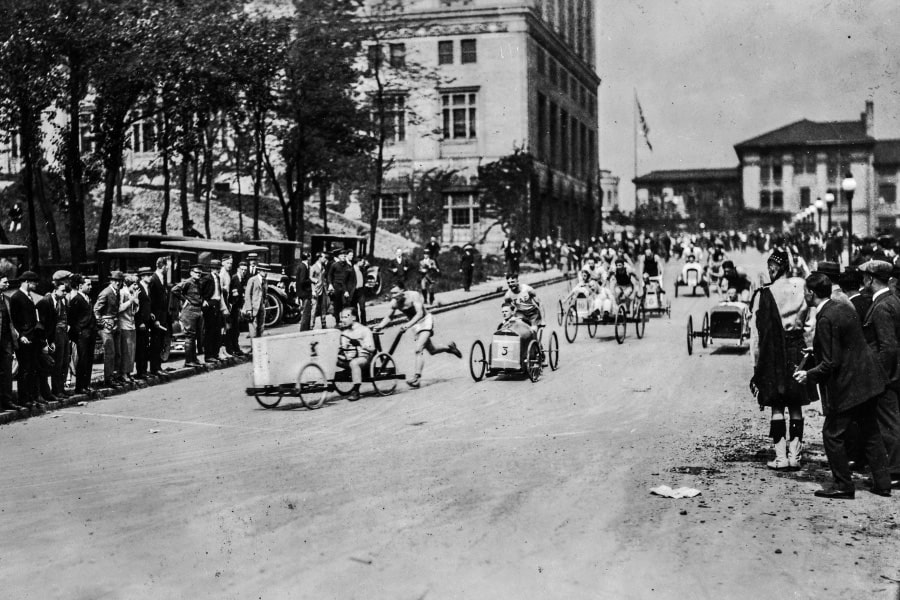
(374, 57)
(459, 111)
(398, 55)
(777, 200)
(468, 52)
(445, 53)
(391, 206)
(394, 117)
(461, 209)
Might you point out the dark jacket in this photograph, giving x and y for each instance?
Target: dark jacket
(49, 316)
(881, 328)
(847, 368)
(236, 293)
(23, 315)
(302, 281)
(159, 300)
(81, 318)
(862, 303)
(142, 316)
(340, 276)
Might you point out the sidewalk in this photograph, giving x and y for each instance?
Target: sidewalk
(376, 311)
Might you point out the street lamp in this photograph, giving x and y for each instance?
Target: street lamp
(849, 186)
(820, 204)
(829, 200)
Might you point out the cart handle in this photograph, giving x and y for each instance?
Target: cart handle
(395, 343)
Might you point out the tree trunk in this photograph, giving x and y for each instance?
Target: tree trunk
(73, 170)
(44, 203)
(323, 206)
(237, 174)
(279, 192)
(183, 192)
(28, 154)
(210, 140)
(112, 166)
(257, 182)
(167, 177)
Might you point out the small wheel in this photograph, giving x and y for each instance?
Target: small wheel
(640, 322)
(343, 386)
(690, 335)
(621, 324)
(592, 327)
(553, 352)
(382, 372)
(312, 386)
(269, 402)
(571, 324)
(560, 312)
(533, 366)
(477, 361)
(705, 339)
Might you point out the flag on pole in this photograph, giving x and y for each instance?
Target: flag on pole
(644, 127)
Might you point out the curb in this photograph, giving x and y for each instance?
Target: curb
(99, 392)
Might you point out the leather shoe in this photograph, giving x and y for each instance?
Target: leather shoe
(880, 492)
(835, 494)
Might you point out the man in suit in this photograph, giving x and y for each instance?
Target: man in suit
(53, 310)
(82, 331)
(881, 328)
(143, 323)
(357, 285)
(304, 290)
(399, 268)
(851, 284)
(29, 340)
(340, 278)
(7, 349)
(235, 303)
(106, 311)
(255, 301)
(852, 380)
(467, 265)
(212, 312)
(159, 314)
(318, 273)
(189, 293)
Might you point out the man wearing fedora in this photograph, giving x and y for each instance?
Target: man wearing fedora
(143, 323)
(189, 294)
(106, 311)
(851, 381)
(213, 307)
(82, 331)
(881, 328)
(778, 335)
(28, 340)
(255, 301)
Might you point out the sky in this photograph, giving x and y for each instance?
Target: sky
(712, 73)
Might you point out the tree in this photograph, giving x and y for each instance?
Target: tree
(506, 191)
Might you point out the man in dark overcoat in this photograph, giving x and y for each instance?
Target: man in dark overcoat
(852, 380)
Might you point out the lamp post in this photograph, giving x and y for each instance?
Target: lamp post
(848, 185)
(819, 206)
(829, 200)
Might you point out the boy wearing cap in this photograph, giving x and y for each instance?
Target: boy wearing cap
(779, 332)
(881, 328)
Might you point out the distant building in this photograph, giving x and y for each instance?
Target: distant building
(609, 191)
(511, 74)
(694, 193)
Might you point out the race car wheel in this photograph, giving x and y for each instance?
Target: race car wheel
(553, 352)
(640, 321)
(705, 339)
(571, 324)
(312, 386)
(690, 335)
(592, 328)
(477, 361)
(560, 313)
(533, 361)
(382, 371)
(621, 324)
(268, 401)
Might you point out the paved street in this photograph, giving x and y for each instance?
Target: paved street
(496, 489)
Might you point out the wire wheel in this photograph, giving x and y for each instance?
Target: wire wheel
(560, 312)
(592, 327)
(571, 325)
(269, 401)
(640, 321)
(621, 324)
(553, 352)
(343, 386)
(705, 339)
(477, 361)
(274, 310)
(382, 372)
(312, 386)
(690, 335)
(533, 361)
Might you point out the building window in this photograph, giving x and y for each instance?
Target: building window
(374, 56)
(564, 140)
(777, 200)
(391, 207)
(542, 127)
(394, 117)
(468, 52)
(541, 61)
(887, 193)
(804, 197)
(445, 53)
(804, 163)
(459, 114)
(831, 166)
(398, 55)
(765, 199)
(461, 210)
(765, 170)
(553, 71)
(776, 172)
(554, 135)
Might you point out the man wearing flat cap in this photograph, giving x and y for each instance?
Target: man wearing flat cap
(106, 311)
(191, 317)
(881, 328)
(832, 270)
(28, 340)
(53, 310)
(778, 334)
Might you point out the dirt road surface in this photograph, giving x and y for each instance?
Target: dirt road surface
(495, 489)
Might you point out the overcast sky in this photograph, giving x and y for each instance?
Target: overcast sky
(712, 73)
